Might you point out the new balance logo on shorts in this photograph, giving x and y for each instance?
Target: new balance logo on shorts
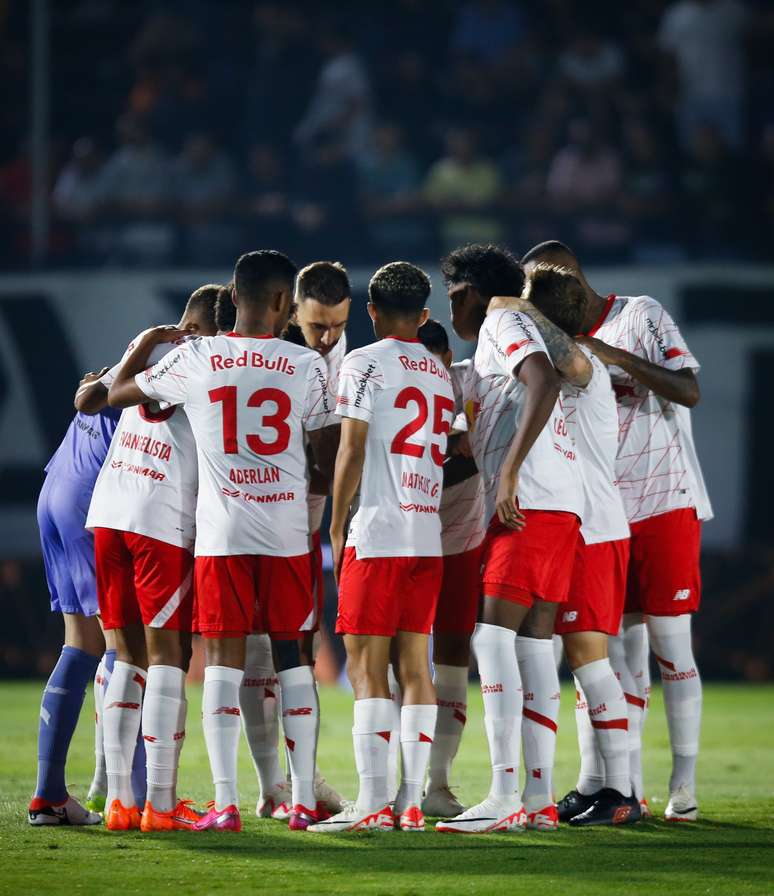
(682, 594)
(571, 616)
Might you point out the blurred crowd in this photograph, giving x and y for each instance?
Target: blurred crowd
(184, 130)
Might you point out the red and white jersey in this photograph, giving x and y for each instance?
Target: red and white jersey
(406, 397)
(333, 362)
(592, 421)
(657, 467)
(462, 505)
(250, 402)
(148, 482)
(549, 478)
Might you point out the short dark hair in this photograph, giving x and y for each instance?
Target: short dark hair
(558, 293)
(325, 281)
(548, 249)
(492, 270)
(399, 288)
(432, 334)
(202, 303)
(225, 310)
(256, 271)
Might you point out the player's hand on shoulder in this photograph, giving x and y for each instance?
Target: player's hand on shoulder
(166, 333)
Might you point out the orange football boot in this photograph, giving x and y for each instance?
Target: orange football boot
(119, 818)
(181, 818)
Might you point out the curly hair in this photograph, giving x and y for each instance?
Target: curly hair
(432, 334)
(492, 270)
(399, 288)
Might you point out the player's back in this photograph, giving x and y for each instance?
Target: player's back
(405, 395)
(85, 445)
(592, 422)
(249, 401)
(148, 482)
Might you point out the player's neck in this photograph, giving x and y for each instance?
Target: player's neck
(401, 331)
(254, 324)
(595, 306)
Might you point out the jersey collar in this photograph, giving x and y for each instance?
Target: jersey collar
(398, 339)
(241, 336)
(603, 316)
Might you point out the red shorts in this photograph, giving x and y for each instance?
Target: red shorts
(383, 595)
(664, 577)
(318, 579)
(458, 601)
(535, 563)
(141, 579)
(241, 594)
(597, 589)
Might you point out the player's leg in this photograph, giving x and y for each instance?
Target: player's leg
(670, 640)
(164, 587)
(369, 607)
(671, 592)
(540, 683)
(259, 701)
(605, 708)
(393, 757)
(95, 800)
(455, 619)
(225, 590)
(59, 711)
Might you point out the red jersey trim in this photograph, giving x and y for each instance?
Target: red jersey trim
(242, 336)
(515, 346)
(398, 339)
(603, 315)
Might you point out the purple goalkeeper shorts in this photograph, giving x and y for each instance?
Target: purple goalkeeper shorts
(68, 548)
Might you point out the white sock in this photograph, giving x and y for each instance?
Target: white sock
(417, 725)
(99, 781)
(609, 721)
(591, 777)
(451, 689)
(301, 721)
(495, 650)
(182, 715)
(558, 650)
(393, 756)
(121, 724)
(220, 721)
(540, 682)
(670, 641)
(161, 716)
(258, 702)
(635, 662)
(371, 739)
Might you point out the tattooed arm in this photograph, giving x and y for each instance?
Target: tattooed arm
(568, 359)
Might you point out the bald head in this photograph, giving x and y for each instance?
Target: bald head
(553, 253)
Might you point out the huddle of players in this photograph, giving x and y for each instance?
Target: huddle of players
(525, 435)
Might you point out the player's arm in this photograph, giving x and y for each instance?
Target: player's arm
(542, 389)
(91, 395)
(568, 359)
(124, 391)
(349, 468)
(679, 386)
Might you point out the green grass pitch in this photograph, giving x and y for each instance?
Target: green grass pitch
(730, 851)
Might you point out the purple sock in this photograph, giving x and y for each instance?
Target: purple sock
(108, 662)
(59, 711)
(139, 772)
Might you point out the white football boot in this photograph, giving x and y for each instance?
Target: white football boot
(682, 805)
(442, 803)
(352, 819)
(71, 812)
(493, 814)
(277, 803)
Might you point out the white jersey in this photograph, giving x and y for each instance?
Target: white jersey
(657, 467)
(592, 421)
(406, 397)
(148, 482)
(250, 402)
(549, 478)
(333, 362)
(462, 505)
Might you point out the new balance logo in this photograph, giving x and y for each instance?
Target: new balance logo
(226, 711)
(570, 617)
(298, 711)
(682, 594)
